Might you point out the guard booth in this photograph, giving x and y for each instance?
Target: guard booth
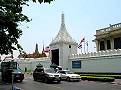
(9, 69)
(6, 70)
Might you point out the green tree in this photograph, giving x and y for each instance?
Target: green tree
(10, 18)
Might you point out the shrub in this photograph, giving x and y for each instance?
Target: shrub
(93, 78)
(114, 76)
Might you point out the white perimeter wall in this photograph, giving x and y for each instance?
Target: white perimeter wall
(31, 64)
(105, 61)
(98, 64)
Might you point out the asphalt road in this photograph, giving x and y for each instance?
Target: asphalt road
(29, 84)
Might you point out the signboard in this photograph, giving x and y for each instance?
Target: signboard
(76, 64)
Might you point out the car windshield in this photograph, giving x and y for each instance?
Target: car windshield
(68, 72)
(49, 70)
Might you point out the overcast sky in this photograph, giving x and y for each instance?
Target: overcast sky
(82, 19)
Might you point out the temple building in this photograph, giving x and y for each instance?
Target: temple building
(62, 46)
(108, 38)
(35, 54)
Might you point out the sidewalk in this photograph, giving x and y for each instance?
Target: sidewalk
(27, 74)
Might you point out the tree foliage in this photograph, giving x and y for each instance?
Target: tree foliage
(10, 18)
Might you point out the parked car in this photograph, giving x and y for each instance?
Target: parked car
(46, 75)
(69, 76)
(18, 75)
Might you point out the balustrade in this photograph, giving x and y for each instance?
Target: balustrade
(112, 27)
(97, 54)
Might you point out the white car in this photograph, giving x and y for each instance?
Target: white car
(69, 76)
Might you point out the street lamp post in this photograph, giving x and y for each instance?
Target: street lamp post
(12, 81)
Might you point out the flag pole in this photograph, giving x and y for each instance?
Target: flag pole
(84, 46)
(87, 46)
(80, 45)
(43, 47)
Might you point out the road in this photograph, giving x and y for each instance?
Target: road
(29, 84)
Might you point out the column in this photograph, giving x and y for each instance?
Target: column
(97, 45)
(112, 43)
(105, 44)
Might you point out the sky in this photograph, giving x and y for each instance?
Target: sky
(82, 19)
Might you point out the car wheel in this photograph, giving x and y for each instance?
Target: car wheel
(68, 79)
(35, 79)
(43, 80)
(46, 80)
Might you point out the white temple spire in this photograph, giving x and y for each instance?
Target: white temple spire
(63, 35)
(62, 18)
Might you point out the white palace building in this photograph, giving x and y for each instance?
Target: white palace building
(64, 52)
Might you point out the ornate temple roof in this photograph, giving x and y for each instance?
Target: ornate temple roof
(63, 35)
